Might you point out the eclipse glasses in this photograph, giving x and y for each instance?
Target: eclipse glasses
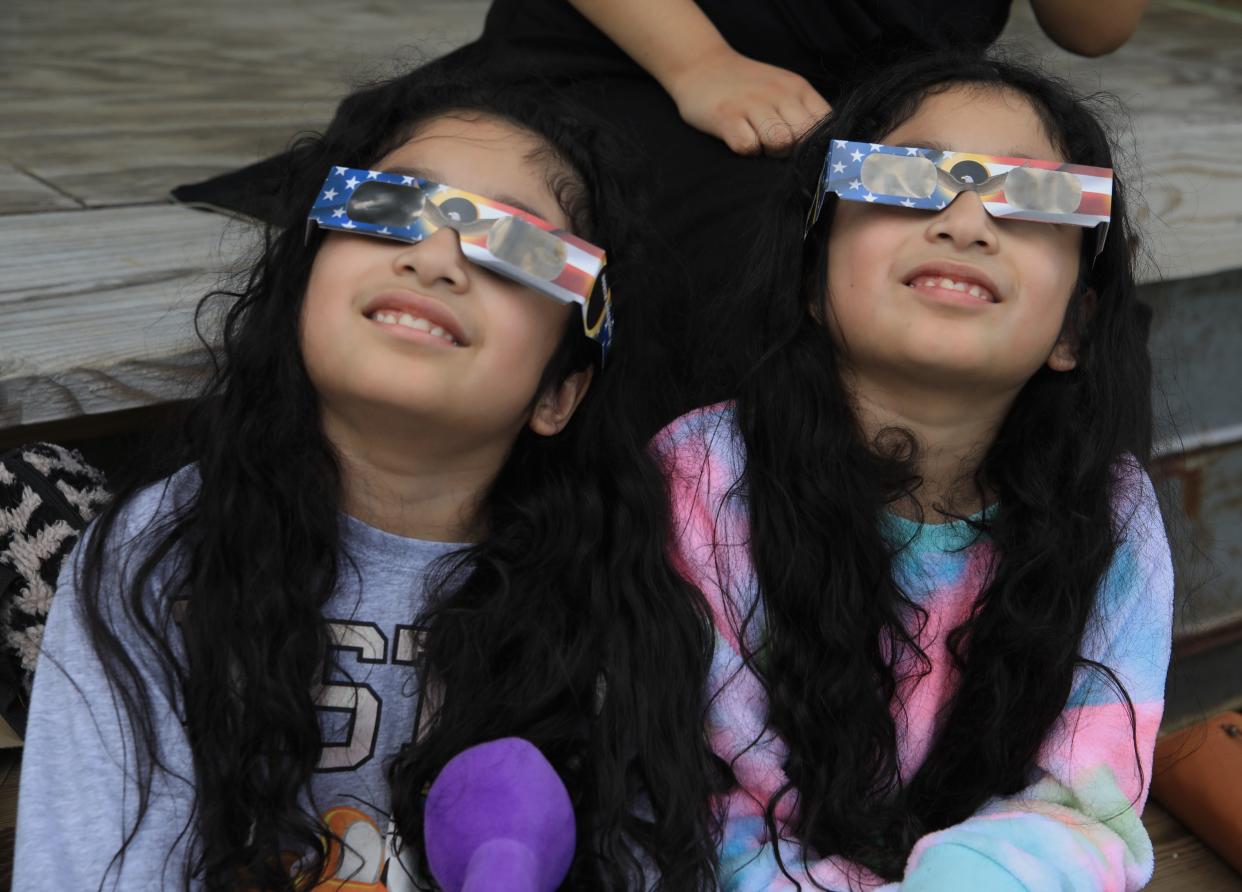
(493, 235)
(929, 180)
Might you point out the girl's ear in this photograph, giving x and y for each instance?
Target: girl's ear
(557, 404)
(1064, 356)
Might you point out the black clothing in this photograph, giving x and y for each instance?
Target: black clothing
(817, 39)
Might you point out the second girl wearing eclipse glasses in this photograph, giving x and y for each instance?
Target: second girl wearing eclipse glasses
(940, 582)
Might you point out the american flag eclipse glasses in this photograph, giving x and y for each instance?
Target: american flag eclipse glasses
(493, 235)
(929, 179)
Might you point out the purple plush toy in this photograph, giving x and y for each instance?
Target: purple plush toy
(498, 817)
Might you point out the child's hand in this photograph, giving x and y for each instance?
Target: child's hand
(750, 105)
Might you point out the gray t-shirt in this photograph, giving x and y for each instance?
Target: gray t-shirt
(76, 804)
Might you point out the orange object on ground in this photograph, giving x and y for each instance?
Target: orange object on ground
(1198, 778)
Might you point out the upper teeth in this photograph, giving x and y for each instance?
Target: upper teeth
(415, 322)
(945, 282)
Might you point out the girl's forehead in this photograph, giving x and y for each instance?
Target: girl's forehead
(979, 119)
(480, 154)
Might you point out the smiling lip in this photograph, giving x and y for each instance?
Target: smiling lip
(959, 272)
(415, 304)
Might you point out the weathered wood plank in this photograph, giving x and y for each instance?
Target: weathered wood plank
(1183, 862)
(113, 328)
(183, 90)
(1190, 199)
(105, 168)
(21, 193)
(1180, 78)
(1182, 66)
(77, 253)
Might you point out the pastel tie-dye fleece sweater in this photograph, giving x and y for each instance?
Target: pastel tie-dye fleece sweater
(1075, 827)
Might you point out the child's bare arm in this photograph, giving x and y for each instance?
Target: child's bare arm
(1089, 29)
(749, 105)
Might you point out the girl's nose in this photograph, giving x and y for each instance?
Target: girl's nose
(966, 223)
(437, 258)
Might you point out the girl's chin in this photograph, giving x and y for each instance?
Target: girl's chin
(946, 366)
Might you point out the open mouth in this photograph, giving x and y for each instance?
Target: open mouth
(938, 282)
(412, 322)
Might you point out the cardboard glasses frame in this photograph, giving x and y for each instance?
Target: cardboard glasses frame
(929, 179)
(493, 235)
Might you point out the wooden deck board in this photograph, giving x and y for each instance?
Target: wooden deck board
(1190, 210)
(179, 91)
(116, 167)
(1180, 79)
(113, 328)
(72, 253)
(22, 193)
(1183, 862)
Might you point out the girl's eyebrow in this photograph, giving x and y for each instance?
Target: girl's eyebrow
(938, 147)
(426, 174)
(924, 144)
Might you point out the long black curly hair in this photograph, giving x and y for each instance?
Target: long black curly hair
(565, 624)
(838, 632)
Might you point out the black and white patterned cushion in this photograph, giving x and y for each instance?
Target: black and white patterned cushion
(48, 494)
